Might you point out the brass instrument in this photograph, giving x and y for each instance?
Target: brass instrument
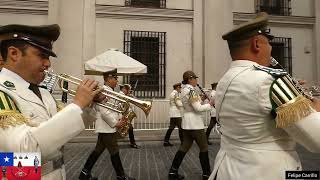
(125, 129)
(122, 106)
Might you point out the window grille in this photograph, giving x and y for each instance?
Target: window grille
(276, 7)
(282, 52)
(146, 3)
(148, 48)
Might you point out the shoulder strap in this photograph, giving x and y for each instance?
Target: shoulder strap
(273, 72)
(224, 90)
(6, 102)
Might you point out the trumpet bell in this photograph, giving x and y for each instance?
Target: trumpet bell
(145, 106)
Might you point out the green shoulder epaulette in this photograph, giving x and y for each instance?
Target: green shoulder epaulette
(271, 71)
(10, 115)
(288, 103)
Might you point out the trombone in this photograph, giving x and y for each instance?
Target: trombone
(123, 101)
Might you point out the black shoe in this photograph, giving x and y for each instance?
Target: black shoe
(125, 178)
(86, 176)
(175, 176)
(209, 143)
(134, 146)
(205, 177)
(166, 143)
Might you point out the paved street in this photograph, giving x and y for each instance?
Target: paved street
(152, 161)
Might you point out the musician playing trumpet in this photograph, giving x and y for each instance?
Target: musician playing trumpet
(29, 121)
(213, 119)
(106, 126)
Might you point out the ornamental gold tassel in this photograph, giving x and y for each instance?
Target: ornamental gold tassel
(293, 111)
(11, 118)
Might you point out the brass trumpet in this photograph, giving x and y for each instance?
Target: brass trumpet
(121, 107)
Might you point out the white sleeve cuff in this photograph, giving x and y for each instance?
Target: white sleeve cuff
(75, 107)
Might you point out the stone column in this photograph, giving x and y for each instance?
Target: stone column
(76, 43)
(317, 42)
(218, 19)
(198, 41)
(89, 31)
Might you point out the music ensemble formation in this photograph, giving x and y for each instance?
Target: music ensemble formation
(259, 110)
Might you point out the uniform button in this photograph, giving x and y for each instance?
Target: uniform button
(31, 114)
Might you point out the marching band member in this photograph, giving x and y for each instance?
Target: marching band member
(29, 121)
(125, 89)
(213, 119)
(106, 124)
(174, 113)
(193, 127)
(260, 111)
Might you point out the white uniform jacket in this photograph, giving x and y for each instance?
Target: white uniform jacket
(46, 131)
(251, 145)
(175, 104)
(106, 119)
(192, 108)
(212, 96)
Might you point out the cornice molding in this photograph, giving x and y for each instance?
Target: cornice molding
(280, 21)
(123, 12)
(38, 7)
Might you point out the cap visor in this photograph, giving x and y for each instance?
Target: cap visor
(269, 36)
(48, 51)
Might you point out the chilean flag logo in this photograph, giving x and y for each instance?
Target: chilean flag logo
(20, 166)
